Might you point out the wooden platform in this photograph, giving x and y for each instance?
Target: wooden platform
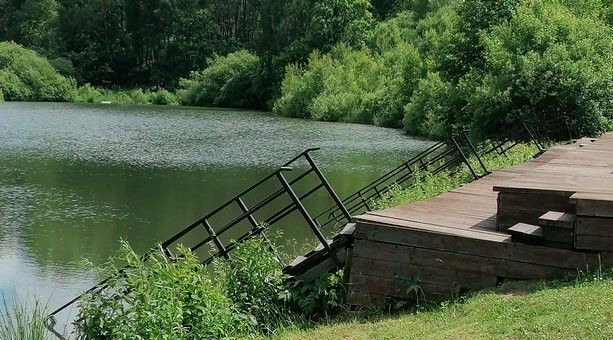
(459, 241)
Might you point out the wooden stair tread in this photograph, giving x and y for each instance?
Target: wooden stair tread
(320, 246)
(593, 204)
(297, 261)
(523, 229)
(557, 219)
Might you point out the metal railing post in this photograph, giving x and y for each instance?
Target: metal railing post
(331, 191)
(257, 228)
(466, 161)
(216, 240)
(307, 217)
(535, 140)
(474, 151)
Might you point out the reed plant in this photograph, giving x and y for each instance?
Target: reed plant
(20, 320)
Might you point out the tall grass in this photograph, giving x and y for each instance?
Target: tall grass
(426, 185)
(20, 321)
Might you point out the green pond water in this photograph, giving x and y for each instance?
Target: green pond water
(75, 179)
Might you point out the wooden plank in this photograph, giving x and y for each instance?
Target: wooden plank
(526, 230)
(407, 225)
(326, 266)
(392, 287)
(534, 201)
(591, 242)
(422, 273)
(590, 204)
(433, 217)
(594, 226)
(365, 299)
(459, 261)
(557, 219)
(558, 235)
(504, 250)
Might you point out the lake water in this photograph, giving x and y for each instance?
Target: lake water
(75, 179)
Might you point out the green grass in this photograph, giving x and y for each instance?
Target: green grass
(428, 186)
(578, 309)
(20, 321)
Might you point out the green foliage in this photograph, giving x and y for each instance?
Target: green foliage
(254, 281)
(526, 310)
(63, 66)
(181, 299)
(430, 109)
(90, 94)
(546, 61)
(20, 321)
(426, 185)
(163, 97)
(166, 300)
(27, 76)
(323, 297)
(478, 64)
(229, 81)
(352, 85)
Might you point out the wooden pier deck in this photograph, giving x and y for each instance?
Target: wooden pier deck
(539, 220)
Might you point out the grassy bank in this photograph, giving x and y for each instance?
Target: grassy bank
(576, 309)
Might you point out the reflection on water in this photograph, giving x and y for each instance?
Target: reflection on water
(75, 179)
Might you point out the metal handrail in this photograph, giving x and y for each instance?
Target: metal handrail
(247, 213)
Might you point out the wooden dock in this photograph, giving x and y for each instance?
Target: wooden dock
(543, 219)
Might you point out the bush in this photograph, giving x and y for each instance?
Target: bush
(545, 62)
(27, 76)
(166, 300)
(63, 66)
(229, 81)
(163, 97)
(352, 86)
(181, 299)
(254, 281)
(90, 94)
(430, 112)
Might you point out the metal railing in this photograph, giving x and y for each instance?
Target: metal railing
(445, 155)
(204, 230)
(441, 156)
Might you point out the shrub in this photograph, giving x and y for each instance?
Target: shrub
(90, 94)
(27, 76)
(254, 281)
(430, 110)
(229, 81)
(63, 66)
(163, 97)
(546, 61)
(352, 86)
(166, 300)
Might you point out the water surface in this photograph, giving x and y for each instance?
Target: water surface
(75, 179)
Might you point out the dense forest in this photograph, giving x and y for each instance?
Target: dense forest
(424, 65)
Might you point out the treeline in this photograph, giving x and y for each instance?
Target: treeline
(425, 65)
(473, 63)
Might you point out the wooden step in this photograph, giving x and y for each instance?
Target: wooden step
(593, 204)
(296, 261)
(557, 219)
(348, 230)
(320, 247)
(526, 231)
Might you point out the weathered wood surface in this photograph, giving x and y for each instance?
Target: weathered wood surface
(451, 243)
(596, 226)
(593, 204)
(557, 219)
